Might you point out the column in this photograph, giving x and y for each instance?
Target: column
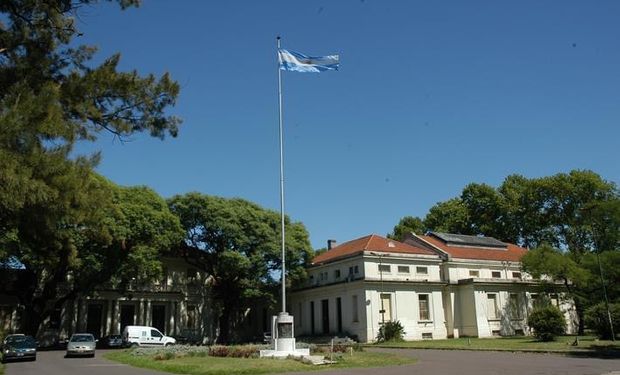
(141, 312)
(82, 314)
(108, 318)
(149, 318)
(117, 317)
(170, 311)
(74, 316)
(177, 317)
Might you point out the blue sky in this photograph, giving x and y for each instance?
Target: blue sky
(430, 97)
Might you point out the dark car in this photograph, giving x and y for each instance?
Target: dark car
(19, 347)
(112, 341)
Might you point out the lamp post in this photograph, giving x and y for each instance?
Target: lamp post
(382, 311)
(611, 324)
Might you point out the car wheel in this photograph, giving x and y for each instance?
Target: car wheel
(133, 345)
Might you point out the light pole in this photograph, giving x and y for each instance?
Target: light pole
(611, 324)
(382, 311)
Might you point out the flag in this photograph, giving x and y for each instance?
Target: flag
(297, 62)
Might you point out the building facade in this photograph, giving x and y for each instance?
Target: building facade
(437, 286)
(177, 304)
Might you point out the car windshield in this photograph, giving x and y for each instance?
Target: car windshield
(82, 338)
(22, 342)
(12, 338)
(115, 337)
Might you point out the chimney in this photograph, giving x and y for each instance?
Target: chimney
(331, 244)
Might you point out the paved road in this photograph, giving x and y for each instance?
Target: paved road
(448, 362)
(430, 362)
(54, 363)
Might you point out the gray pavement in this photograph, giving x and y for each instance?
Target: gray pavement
(430, 362)
(54, 363)
(460, 362)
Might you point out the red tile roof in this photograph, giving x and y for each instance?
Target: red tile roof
(372, 242)
(512, 253)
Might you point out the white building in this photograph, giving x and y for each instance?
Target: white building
(438, 286)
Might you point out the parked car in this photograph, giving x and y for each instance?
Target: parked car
(81, 344)
(12, 337)
(16, 347)
(145, 336)
(189, 337)
(112, 341)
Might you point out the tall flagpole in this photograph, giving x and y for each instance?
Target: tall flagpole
(282, 183)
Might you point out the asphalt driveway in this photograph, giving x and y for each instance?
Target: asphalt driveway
(463, 362)
(54, 363)
(430, 362)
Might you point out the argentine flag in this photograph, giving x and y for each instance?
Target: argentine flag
(297, 62)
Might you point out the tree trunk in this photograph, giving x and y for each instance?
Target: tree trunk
(224, 324)
(580, 315)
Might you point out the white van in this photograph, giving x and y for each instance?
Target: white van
(145, 336)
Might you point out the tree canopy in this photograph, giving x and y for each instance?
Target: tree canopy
(58, 218)
(238, 244)
(566, 219)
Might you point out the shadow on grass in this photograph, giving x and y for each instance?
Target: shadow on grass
(598, 351)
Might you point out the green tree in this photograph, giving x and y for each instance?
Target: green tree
(450, 216)
(406, 225)
(238, 244)
(547, 322)
(51, 97)
(102, 233)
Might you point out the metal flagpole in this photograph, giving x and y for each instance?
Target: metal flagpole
(282, 183)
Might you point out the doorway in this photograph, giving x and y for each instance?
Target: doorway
(158, 317)
(93, 319)
(127, 316)
(325, 315)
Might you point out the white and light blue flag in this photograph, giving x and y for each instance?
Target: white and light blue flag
(297, 62)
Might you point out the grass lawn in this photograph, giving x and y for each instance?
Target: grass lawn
(562, 343)
(234, 366)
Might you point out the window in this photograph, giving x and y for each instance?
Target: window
(516, 275)
(473, 273)
(357, 269)
(421, 270)
(351, 270)
(554, 300)
(427, 335)
(155, 333)
(191, 274)
(492, 306)
(354, 312)
(424, 307)
(513, 305)
(403, 269)
(192, 317)
(336, 274)
(385, 268)
(386, 305)
(55, 318)
(496, 275)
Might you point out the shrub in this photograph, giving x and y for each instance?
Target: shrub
(596, 318)
(391, 331)
(235, 351)
(547, 322)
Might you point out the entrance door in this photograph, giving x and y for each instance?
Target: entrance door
(93, 319)
(339, 313)
(158, 317)
(127, 316)
(325, 315)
